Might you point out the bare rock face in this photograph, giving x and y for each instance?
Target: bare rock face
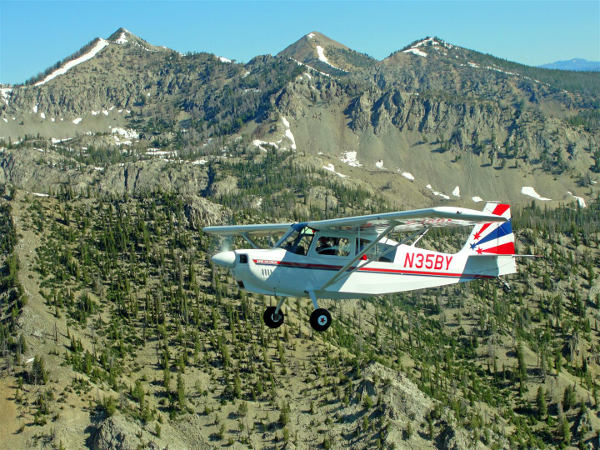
(224, 187)
(403, 403)
(147, 176)
(200, 212)
(45, 171)
(117, 433)
(402, 398)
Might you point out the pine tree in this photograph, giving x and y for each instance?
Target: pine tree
(542, 407)
(38, 373)
(180, 391)
(521, 366)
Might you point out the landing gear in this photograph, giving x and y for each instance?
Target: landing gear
(273, 315)
(505, 286)
(273, 319)
(320, 319)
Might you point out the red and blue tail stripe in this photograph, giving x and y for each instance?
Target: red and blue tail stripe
(494, 238)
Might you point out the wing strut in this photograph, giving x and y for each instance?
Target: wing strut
(340, 272)
(383, 234)
(249, 241)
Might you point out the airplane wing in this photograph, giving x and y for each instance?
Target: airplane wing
(239, 230)
(442, 216)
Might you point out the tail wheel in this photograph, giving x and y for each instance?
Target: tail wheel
(320, 319)
(272, 320)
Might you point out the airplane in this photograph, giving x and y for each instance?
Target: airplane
(354, 257)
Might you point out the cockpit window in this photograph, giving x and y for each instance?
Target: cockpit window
(298, 241)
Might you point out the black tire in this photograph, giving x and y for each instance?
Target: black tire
(270, 321)
(320, 319)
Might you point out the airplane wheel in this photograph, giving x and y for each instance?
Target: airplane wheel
(320, 319)
(269, 317)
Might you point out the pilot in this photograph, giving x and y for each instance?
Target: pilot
(325, 246)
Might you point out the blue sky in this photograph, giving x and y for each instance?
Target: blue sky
(36, 34)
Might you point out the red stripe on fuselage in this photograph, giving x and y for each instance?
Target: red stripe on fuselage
(367, 269)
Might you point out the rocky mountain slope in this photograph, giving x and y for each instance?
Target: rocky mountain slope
(116, 332)
(431, 119)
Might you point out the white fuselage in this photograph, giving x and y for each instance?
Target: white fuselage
(280, 272)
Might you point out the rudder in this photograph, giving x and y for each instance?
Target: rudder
(492, 238)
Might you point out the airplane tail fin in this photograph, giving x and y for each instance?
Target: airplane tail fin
(494, 239)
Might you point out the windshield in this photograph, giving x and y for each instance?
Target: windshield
(298, 241)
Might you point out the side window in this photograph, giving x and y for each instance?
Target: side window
(333, 246)
(380, 252)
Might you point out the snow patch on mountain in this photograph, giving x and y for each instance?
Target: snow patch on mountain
(379, 164)
(434, 42)
(288, 133)
(310, 35)
(122, 38)
(309, 67)
(69, 65)
(477, 199)
(77, 121)
(430, 42)
(415, 51)
(530, 191)
(321, 55)
(258, 143)
(5, 94)
(350, 159)
(58, 141)
(124, 136)
(409, 176)
(323, 58)
(580, 200)
(437, 193)
(331, 168)
(223, 59)
(456, 191)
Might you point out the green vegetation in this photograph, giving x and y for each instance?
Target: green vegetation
(12, 296)
(133, 271)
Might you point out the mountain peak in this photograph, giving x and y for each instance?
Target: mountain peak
(418, 46)
(124, 36)
(322, 53)
(120, 36)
